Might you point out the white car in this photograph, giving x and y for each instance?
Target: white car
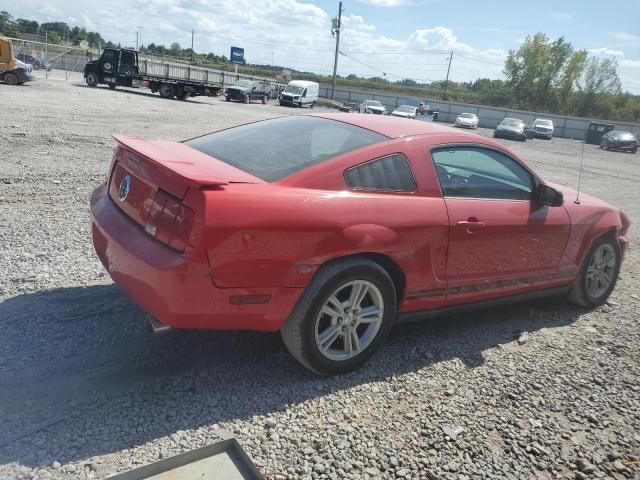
(406, 111)
(466, 120)
(373, 106)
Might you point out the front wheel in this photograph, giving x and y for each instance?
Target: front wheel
(598, 274)
(343, 316)
(10, 78)
(265, 99)
(313, 104)
(92, 79)
(300, 104)
(246, 99)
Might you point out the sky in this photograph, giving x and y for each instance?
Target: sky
(391, 38)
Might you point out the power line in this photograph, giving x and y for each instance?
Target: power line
(362, 63)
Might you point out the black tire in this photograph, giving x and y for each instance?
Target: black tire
(112, 86)
(300, 104)
(579, 293)
(298, 333)
(247, 99)
(634, 150)
(313, 104)
(265, 99)
(523, 138)
(167, 90)
(92, 79)
(227, 99)
(280, 102)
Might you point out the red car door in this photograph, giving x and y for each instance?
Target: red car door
(500, 241)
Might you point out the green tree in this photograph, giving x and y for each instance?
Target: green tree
(536, 68)
(600, 80)
(570, 76)
(8, 26)
(28, 26)
(175, 49)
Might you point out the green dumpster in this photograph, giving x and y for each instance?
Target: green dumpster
(596, 130)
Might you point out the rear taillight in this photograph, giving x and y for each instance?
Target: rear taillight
(169, 220)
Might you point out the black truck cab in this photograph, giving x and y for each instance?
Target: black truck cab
(116, 66)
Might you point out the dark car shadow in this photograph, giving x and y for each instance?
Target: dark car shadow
(82, 375)
(132, 91)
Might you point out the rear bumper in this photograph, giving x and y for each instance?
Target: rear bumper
(177, 288)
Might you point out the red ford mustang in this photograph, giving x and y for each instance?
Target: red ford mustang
(330, 228)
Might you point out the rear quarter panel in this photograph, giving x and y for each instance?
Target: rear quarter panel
(279, 234)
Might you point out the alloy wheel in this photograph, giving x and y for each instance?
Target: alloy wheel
(349, 320)
(601, 270)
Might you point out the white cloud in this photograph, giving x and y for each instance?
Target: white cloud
(438, 38)
(626, 38)
(384, 3)
(606, 52)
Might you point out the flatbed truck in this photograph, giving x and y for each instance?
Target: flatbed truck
(123, 67)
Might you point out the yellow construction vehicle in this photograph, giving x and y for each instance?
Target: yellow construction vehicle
(12, 70)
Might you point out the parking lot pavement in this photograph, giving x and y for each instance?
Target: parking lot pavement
(87, 391)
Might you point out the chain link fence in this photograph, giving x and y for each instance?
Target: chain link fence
(58, 62)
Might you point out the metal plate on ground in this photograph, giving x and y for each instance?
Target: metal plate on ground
(223, 460)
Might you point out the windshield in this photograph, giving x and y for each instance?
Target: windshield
(373, 103)
(544, 123)
(293, 90)
(467, 115)
(244, 83)
(512, 122)
(406, 108)
(269, 150)
(622, 135)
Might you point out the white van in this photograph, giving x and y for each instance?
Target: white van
(300, 93)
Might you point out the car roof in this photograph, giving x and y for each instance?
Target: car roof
(392, 127)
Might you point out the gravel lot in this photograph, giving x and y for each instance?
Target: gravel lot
(538, 390)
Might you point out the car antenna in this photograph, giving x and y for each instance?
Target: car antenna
(577, 200)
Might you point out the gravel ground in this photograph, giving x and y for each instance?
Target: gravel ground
(537, 390)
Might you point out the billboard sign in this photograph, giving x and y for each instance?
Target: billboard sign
(237, 55)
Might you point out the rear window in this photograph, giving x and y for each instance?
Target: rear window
(274, 149)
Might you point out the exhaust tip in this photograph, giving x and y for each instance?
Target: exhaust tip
(157, 326)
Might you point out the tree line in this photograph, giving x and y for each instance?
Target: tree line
(542, 75)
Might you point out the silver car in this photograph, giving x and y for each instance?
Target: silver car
(541, 128)
(406, 111)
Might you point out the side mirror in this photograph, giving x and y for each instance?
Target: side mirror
(546, 195)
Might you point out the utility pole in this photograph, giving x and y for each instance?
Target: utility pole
(446, 82)
(140, 27)
(137, 35)
(335, 30)
(192, 46)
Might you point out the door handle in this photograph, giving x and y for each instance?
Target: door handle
(471, 225)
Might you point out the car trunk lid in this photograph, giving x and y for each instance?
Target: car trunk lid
(150, 179)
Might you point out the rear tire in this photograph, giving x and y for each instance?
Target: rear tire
(92, 79)
(634, 150)
(600, 265)
(166, 90)
(247, 99)
(313, 104)
(318, 340)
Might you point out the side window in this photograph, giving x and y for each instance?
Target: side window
(481, 173)
(391, 173)
(109, 56)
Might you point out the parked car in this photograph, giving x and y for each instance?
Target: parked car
(247, 90)
(300, 93)
(511, 128)
(373, 106)
(406, 111)
(331, 228)
(541, 128)
(36, 63)
(466, 120)
(617, 140)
